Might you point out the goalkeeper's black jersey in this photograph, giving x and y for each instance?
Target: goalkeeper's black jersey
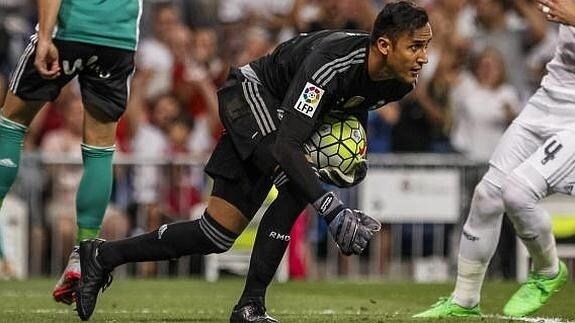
(313, 74)
(334, 61)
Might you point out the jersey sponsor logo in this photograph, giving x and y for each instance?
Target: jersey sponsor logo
(78, 65)
(279, 236)
(353, 101)
(309, 99)
(550, 151)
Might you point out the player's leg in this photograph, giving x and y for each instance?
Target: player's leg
(238, 192)
(271, 242)
(92, 196)
(482, 228)
(27, 94)
(543, 173)
(15, 117)
(236, 196)
(214, 232)
(104, 82)
(95, 188)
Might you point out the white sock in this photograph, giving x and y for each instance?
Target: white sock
(478, 243)
(544, 254)
(532, 223)
(470, 275)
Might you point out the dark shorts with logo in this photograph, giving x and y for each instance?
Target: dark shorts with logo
(242, 163)
(104, 74)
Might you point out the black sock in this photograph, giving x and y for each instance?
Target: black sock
(203, 236)
(271, 242)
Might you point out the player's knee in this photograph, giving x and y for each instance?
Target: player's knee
(517, 197)
(218, 239)
(521, 206)
(487, 199)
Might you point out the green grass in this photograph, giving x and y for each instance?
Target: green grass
(190, 300)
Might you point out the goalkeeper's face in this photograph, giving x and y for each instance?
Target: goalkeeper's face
(406, 55)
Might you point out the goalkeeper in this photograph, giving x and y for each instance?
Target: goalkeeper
(269, 108)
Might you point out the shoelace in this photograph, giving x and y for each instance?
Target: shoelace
(441, 301)
(534, 281)
(257, 309)
(109, 278)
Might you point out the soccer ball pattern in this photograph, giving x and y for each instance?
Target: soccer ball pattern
(340, 141)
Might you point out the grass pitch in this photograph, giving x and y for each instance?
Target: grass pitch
(191, 300)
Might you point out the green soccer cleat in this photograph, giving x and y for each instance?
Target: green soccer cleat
(535, 292)
(445, 307)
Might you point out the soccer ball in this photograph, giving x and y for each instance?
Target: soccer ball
(340, 141)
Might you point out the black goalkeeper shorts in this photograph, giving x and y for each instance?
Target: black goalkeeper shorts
(244, 183)
(242, 163)
(104, 74)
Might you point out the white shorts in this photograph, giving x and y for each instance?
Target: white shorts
(541, 138)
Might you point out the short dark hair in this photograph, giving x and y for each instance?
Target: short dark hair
(397, 18)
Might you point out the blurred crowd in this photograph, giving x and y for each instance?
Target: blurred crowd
(486, 58)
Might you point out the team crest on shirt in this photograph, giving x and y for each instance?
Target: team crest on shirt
(309, 99)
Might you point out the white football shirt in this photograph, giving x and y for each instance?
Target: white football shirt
(560, 78)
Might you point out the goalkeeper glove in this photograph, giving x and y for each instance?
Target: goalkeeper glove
(334, 176)
(351, 229)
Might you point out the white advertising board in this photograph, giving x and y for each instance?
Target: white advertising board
(411, 195)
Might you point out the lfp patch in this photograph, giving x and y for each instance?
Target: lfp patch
(309, 99)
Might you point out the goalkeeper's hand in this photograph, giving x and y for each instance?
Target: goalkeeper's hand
(334, 176)
(351, 229)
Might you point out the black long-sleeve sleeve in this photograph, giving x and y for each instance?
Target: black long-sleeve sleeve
(304, 102)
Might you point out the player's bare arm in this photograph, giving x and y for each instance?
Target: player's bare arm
(46, 60)
(559, 11)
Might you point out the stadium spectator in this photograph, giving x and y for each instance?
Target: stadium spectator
(425, 115)
(196, 72)
(155, 60)
(512, 27)
(238, 16)
(379, 128)
(477, 126)
(150, 142)
(333, 14)
(258, 42)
